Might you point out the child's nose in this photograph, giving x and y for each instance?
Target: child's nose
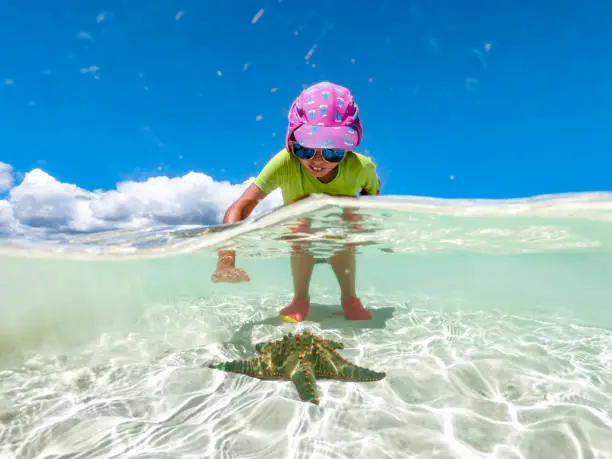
(318, 154)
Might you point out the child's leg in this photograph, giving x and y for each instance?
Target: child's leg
(343, 263)
(302, 264)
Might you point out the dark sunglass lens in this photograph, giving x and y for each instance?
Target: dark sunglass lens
(302, 152)
(333, 156)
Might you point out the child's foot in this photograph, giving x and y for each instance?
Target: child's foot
(296, 311)
(354, 310)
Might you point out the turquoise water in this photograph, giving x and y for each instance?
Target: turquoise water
(492, 320)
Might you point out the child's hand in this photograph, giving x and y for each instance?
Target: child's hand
(232, 275)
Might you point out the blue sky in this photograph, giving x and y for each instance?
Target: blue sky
(509, 98)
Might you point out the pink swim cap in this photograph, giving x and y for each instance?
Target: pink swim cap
(325, 115)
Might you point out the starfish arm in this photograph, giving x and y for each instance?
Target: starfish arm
(329, 364)
(329, 344)
(304, 380)
(335, 345)
(258, 367)
(352, 372)
(261, 348)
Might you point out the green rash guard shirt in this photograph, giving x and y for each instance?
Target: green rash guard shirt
(284, 170)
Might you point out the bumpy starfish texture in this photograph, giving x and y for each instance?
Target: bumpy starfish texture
(301, 358)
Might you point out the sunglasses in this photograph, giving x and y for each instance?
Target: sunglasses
(331, 155)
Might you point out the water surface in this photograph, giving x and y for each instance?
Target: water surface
(491, 319)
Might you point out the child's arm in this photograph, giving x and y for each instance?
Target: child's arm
(238, 211)
(267, 181)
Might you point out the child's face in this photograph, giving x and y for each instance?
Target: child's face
(317, 166)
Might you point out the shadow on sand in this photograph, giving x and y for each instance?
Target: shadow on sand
(326, 317)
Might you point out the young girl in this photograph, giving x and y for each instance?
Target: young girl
(324, 128)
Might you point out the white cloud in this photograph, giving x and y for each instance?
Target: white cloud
(6, 215)
(40, 203)
(6, 176)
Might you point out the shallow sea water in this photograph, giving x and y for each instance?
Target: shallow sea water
(492, 321)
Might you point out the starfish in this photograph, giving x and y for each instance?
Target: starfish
(300, 358)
